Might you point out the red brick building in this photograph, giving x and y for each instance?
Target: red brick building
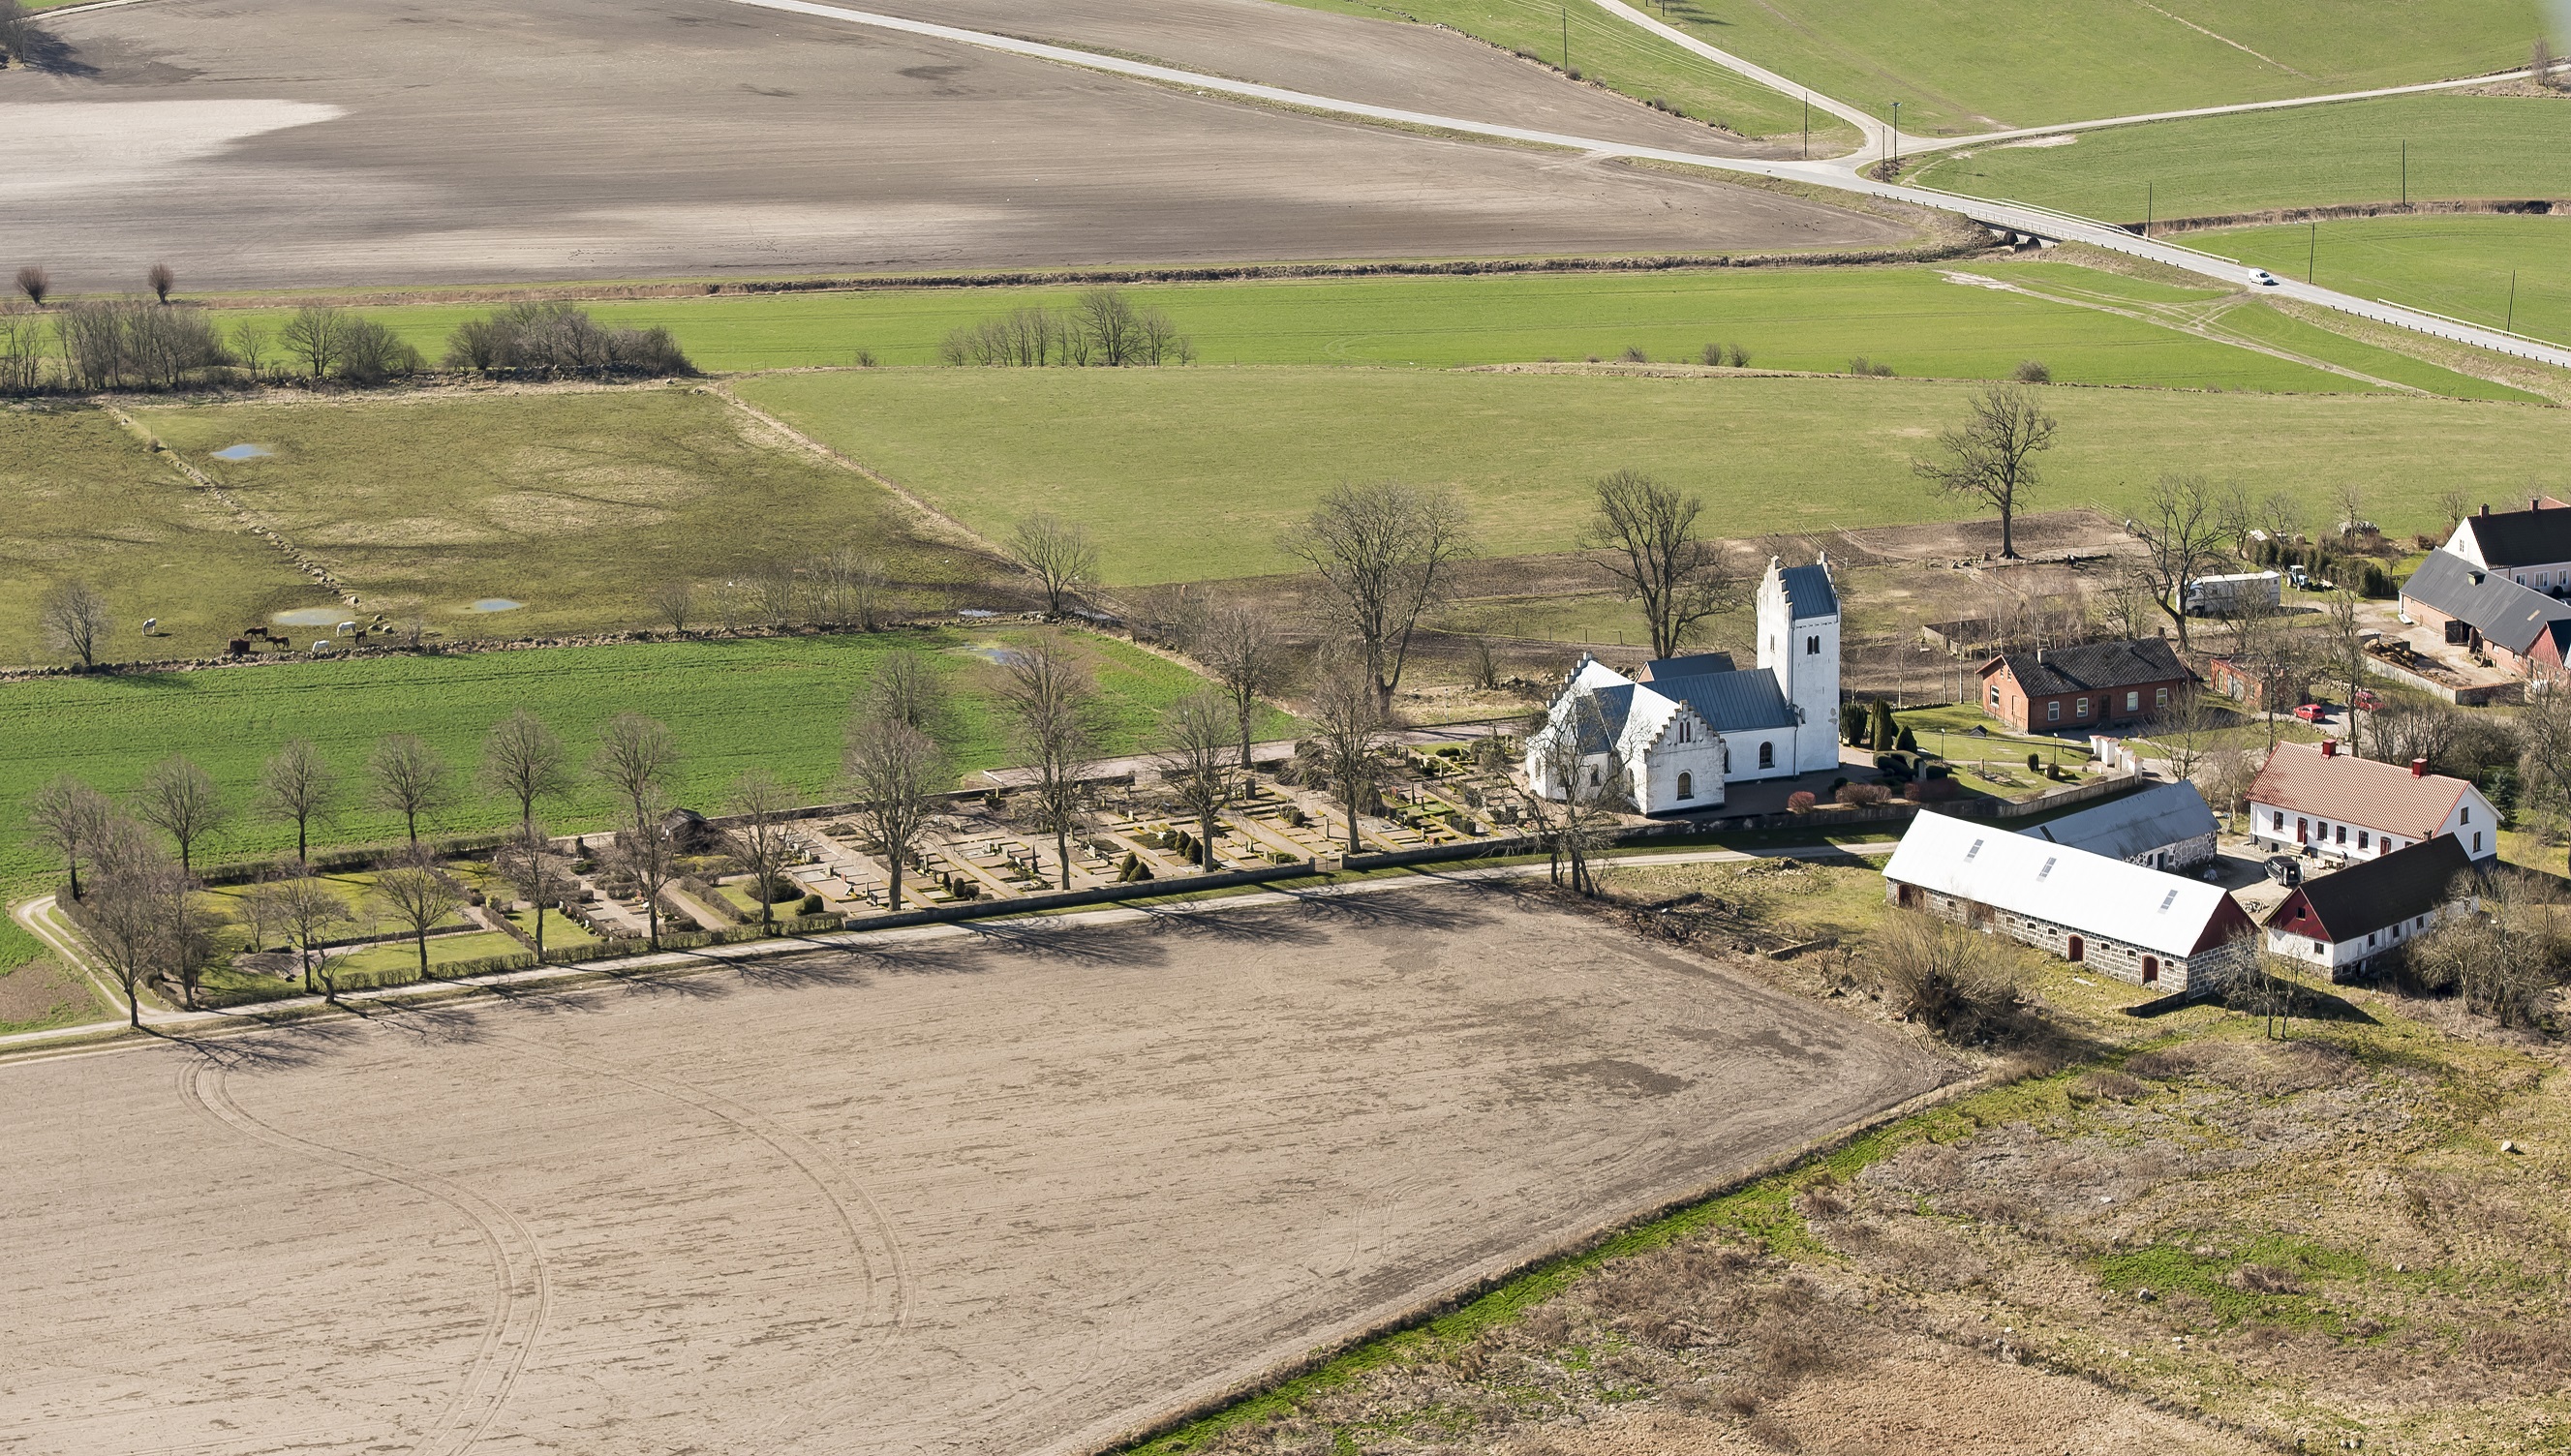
(2090, 687)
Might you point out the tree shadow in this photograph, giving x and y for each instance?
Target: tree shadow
(269, 1048)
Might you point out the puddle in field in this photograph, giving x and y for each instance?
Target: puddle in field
(990, 653)
(242, 452)
(497, 604)
(312, 617)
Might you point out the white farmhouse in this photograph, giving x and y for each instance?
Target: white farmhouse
(1696, 723)
(2321, 801)
(2341, 921)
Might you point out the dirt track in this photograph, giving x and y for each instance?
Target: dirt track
(992, 1194)
(346, 142)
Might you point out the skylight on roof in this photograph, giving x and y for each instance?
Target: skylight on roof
(2048, 867)
(1976, 849)
(2168, 900)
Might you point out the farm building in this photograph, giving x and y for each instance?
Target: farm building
(2083, 687)
(2124, 920)
(2165, 827)
(2341, 921)
(2531, 548)
(2524, 630)
(1696, 723)
(2281, 687)
(2315, 798)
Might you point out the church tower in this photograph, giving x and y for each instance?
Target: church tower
(1798, 641)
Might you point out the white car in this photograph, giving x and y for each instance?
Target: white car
(2262, 278)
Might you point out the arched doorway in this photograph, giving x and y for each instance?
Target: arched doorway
(2151, 969)
(2078, 952)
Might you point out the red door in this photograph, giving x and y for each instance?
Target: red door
(2078, 952)
(2151, 969)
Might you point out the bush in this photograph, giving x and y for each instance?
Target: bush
(560, 339)
(808, 905)
(1799, 801)
(2034, 761)
(370, 353)
(1868, 369)
(1852, 724)
(1948, 979)
(2032, 371)
(1864, 795)
(1634, 354)
(1908, 742)
(1103, 327)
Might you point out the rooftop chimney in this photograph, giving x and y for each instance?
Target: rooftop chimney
(2329, 747)
(2418, 767)
(2485, 508)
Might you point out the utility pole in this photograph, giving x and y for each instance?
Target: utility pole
(2312, 252)
(2149, 191)
(2512, 325)
(1893, 169)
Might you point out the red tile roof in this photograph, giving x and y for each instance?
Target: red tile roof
(2354, 790)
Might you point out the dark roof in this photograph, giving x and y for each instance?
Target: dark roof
(2522, 538)
(1661, 670)
(1600, 731)
(2376, 895)
(1809, 593)
(2500, 609)
(1737, 701)
(2137, 823)
(2093, 669)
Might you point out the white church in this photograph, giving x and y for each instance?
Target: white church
(1688, 725)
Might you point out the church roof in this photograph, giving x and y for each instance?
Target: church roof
(1744, 701)
(1809, 593)
(1661, 670)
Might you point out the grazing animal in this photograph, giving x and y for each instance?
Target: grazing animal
(321, 646)
(343, 629)
(239, 646)
(151, 625)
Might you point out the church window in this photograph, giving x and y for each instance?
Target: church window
(1766, 755)
(1813, 645)
(1687, 785)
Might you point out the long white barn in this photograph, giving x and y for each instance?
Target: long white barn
(1693, 725)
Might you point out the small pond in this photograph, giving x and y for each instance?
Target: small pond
(991, 653)
(497, 604)
(312, 617)
(242, 452)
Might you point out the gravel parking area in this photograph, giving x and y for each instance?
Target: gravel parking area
(341, 142)
(1012, 1191)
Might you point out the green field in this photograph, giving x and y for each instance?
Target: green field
(575, 504)
(1794, 318)
(778, 703)
(1618, 54)
(1188, 474)
(1961, 66)
(2458, 266)
(2460, 146)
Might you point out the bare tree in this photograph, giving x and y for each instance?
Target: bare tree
(35, 282)
(2186, 730)
(2271, 652)
(2131, 605)
(1194, 761)
(23, 352)
(407, 777)
(523, 761)
(2183, 527)
(1057, 553)
(759, 841)
(2348, 502)
(1990, 458)
(162, 280)
(2342, 644)
(907, 688)
(418, 897)
(318, 335)
(17, 33)
(2504, 960)
(311, 911)
(528, 866)
(675, 602)
(249, 345)
(1584, 821)
(2225, 776)
(1050, 698)
(637, 759)
(2455, 503)
(2544, 759)
(894, 769)
(181, 800)
(1240, 648)
(1386, 553)
(126, 915)
(297, 787)
(847, 588)
(70, 818)
(75, 619)
(644, 850)
(1350, 723)
(1649, 534)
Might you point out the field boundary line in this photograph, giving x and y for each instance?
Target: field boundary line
(964, 535)
(248, 519)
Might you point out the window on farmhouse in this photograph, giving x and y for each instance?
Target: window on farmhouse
(2053, 710)
(2134, 700)
(2159, 697)
(2084, 707)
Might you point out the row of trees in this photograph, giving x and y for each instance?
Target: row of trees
(1103, 327)
(552, 339)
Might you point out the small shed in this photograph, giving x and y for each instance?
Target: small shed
(2165, 827)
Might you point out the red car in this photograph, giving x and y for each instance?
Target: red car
(2314, 713)
(2366, 699)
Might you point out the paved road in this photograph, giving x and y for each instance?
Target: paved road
(1839, 174)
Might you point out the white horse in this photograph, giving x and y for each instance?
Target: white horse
(151, 625)
(343, 629)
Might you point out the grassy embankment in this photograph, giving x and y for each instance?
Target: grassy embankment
(1962, 65)
(1914, 317)
(2460, 266)
(2306, 1243)
(2341, 155)
(1622, 57)
(1188, 475)
(775, 703)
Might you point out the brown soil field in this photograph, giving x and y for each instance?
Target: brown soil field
(335, 142)
(1015, 1190)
